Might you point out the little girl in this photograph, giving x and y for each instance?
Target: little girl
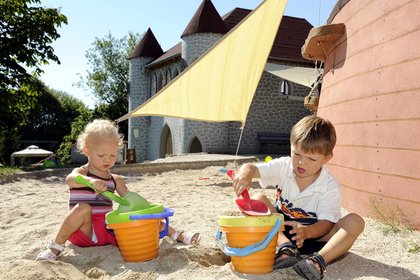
(84, 225)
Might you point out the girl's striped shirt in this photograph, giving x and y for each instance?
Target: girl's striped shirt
(98, 202)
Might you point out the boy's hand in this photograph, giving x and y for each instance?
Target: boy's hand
(243, 178)
(241, 183)
(299, 232)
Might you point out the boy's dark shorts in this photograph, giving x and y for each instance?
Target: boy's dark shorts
(310, 246)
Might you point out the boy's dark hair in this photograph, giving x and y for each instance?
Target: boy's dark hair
(314, 134)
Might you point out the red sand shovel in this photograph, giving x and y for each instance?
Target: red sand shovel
(248, 206)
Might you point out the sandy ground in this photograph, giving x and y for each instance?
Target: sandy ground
(32, 210)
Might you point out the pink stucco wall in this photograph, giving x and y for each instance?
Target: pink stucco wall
(371, 92)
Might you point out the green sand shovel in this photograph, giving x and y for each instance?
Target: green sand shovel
(130, 202)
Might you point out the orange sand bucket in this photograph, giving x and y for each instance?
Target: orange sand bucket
(138, 240)
(252, 242)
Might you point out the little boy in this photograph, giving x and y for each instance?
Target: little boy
(309, 197)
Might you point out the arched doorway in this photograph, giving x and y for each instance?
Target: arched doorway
(165, 142)
(195, 146)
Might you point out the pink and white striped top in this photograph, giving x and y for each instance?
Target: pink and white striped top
(98, 202)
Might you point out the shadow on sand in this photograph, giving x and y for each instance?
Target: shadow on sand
(366, 268)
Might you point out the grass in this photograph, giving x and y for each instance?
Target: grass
(394, 221)
(5, 170)
(414, 248)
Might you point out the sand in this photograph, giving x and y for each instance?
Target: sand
(33, 208)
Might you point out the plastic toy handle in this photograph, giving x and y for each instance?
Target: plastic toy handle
(80, 180)
(231, 174)
(246, 197)
(245, 251)
(167, 212)
(164, 232)
(245, 193)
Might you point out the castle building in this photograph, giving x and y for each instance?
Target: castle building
(276, 107)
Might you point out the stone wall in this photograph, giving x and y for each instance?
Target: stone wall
(157, 123)
(138, 127)
(213, 136)
(270, 111)
(194, 45)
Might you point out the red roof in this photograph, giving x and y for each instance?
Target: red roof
(289, 40)
(290, 36)
(171, 53)
(148, 46)
(205, 20)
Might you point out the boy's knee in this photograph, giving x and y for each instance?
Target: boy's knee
(356, 222)
(260, 197)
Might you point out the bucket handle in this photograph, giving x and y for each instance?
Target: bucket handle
(164, 232)
(167, 212)
(241, 252)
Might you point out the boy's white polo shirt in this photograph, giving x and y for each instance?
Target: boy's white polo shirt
(320, 200)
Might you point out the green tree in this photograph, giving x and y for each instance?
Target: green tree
(26, 33)
(15, 106)
(50, 119)
(108, 75)
(77, 126)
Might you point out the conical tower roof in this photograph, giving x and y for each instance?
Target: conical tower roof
(206, 20)
(148, 47)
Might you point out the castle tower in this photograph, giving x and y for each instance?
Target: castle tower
(138, 127)
(203, 31)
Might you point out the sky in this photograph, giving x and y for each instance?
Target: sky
(90, 19)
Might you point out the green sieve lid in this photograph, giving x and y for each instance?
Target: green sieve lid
(115, 217)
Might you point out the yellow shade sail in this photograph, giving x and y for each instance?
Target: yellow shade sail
(220, 85)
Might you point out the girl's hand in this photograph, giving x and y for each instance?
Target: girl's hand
(121, 188)
(299, 232)
(99, 185)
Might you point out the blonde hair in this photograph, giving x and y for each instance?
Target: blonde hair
(99, 128)
(314, 134)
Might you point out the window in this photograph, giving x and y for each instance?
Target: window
(159, 81)
(152, 85)
(175, 72)
(168, 75)
(285, 87)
